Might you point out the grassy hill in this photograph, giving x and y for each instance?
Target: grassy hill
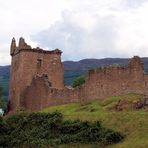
(133, 123)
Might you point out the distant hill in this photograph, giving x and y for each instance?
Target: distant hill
(4, 79)
(72, 69)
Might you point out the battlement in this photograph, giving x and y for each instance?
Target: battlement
(23, 46)
(134, 65)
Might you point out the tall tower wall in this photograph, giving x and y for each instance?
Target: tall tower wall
(28, 62)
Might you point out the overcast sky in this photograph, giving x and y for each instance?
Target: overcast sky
(80, 28)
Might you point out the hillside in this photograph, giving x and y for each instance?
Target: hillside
(72, 69)
(132, 123)
(4, 79)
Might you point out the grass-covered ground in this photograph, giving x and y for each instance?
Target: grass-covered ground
(132, 123)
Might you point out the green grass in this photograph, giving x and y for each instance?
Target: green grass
(134, 124)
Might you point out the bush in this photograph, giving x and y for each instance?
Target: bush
(44, 129)
(3, 104)
(78, 81)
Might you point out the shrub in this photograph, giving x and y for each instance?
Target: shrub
(78, 81)
(44, 129)
(3, 104)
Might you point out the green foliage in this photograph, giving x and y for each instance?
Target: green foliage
(4, 83)
(49, 129)
(78, 81)
(131, 123)
(88, 132)
(3, 103)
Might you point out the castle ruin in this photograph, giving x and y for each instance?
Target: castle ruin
(28, 62)
(37, 81)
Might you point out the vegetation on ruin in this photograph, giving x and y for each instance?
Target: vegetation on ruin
(132, 123)
(78, 81)
(49, 129)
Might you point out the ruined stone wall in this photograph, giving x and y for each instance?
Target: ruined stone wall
(116, 80)
(42, 63)
(40, 94)
(27, 62)
(100, 83)
(15, 83)
(37, 79)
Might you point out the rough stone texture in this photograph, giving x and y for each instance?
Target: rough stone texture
(116, 80)
(37, 79)
(40, 94)
(28, 62)
(142, 103)
(13, 46)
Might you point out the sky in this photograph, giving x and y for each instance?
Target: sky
(80, 28)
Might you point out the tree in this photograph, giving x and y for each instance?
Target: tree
(3, 104)
(1, 91)
(78, 81)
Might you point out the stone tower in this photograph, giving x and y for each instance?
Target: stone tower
(26, 63)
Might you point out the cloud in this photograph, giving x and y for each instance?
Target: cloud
(99, 29)
(25, 17)
(134, 3)
(78, 41)
(82, 29)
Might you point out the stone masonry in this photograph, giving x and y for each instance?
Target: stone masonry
(28, 62)
(37, 79)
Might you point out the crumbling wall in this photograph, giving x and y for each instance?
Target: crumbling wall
(116, 80)
(36, 79)
(41, 94)
(28, 62)
(100, 82)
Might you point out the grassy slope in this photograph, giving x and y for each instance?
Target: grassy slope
(132, 123)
